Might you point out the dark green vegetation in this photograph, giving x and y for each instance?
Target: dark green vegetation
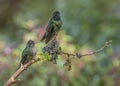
(87, 23)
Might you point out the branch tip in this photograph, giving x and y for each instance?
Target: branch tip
(108, 43)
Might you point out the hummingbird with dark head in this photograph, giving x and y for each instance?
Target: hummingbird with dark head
(53, 27)
(28, 53)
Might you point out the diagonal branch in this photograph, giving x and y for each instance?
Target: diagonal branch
(19, 71)
(13, 79)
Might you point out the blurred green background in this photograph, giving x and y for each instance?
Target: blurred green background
(87, 24)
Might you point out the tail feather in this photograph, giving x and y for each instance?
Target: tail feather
(43, 38)
(48, 38)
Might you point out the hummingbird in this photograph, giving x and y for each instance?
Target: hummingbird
(28, 53)
(53, 27)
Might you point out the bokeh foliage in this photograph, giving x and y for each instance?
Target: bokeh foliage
(87, 24)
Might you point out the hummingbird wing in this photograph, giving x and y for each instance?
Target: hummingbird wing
(48, 34)
(24, 56)
(52, 29)
(23, 59)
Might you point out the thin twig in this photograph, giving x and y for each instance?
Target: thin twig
(108, 43)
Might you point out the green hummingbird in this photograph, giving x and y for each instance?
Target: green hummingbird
(28, 53)
(53, 27)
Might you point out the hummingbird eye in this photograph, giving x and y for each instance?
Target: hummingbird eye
(57, 17)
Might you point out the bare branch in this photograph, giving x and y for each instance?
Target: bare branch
(13, 79)
(108, 43)
(19, 71)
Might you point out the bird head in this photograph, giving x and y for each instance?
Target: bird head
(56, 15)
(31, 43)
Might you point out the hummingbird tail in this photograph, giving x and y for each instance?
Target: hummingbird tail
(48, 38)
(43, 38)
